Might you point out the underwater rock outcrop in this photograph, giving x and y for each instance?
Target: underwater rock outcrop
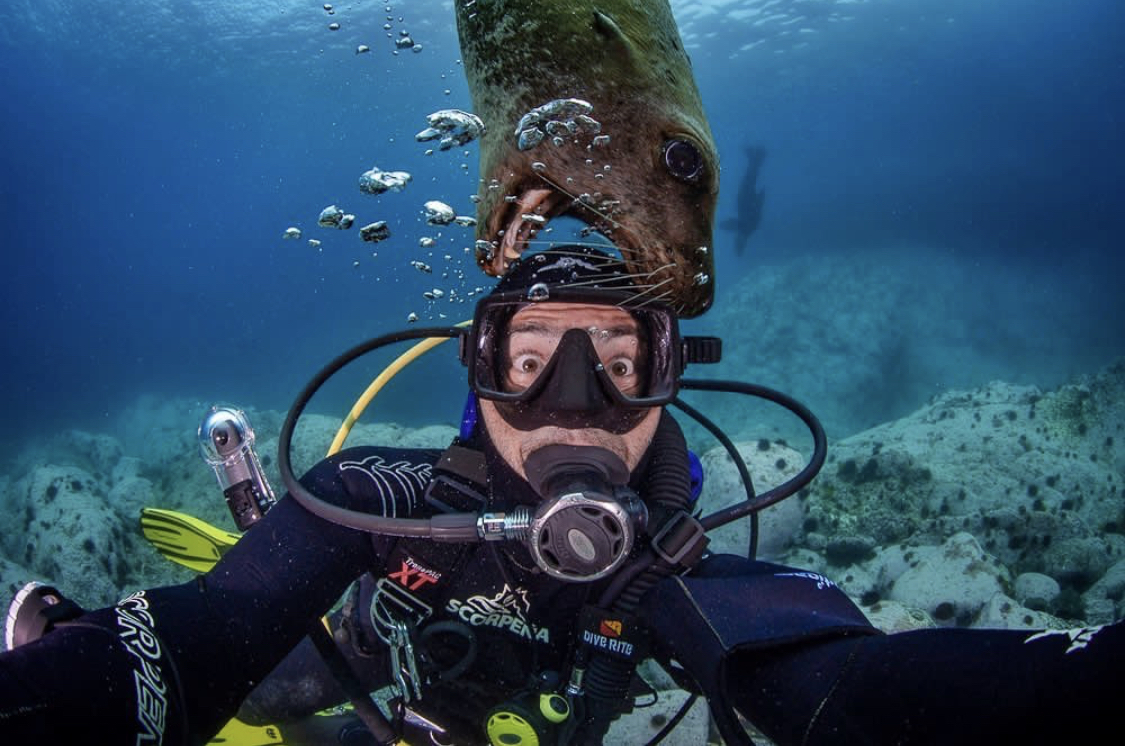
(1035, 480)
(73, 505)
(65, 530)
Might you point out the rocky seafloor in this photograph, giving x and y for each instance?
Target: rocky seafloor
(1001, 506)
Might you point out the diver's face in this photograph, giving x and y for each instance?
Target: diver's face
(533, 335)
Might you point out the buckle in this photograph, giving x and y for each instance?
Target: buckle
(698, 349)
(680, 536)
(454, 481)
(391, 604)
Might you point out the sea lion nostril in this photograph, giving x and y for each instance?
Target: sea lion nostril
(683, 159)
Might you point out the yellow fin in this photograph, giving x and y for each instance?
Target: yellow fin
(185, 539)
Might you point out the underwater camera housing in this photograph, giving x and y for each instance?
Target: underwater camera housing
(226, 441)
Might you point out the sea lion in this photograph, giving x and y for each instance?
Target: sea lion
(625, 146)
(750, 201)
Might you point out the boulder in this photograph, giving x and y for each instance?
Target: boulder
(70, 535)
(953, 584)
(769, 463)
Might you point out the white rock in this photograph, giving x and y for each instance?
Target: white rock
(856, 580)
(805, 559)
(1104, 598)
(643, 723)
(1002, 612)
(892, 617)
(769, 464)
(1036, 588)
(953, 585)
(75, 538)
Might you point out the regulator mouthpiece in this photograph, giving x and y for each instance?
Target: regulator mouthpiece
(585, 527)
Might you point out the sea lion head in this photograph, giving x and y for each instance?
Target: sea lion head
(605, 125)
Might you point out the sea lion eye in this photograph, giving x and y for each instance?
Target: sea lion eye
(683, 159)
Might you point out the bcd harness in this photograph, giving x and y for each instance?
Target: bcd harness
(610, 642)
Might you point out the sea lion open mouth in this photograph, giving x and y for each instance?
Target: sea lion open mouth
(593, 113)
(519, 221)
(522, 216)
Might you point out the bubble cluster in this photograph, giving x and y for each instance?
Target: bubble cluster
(453, 126)
(374, 232)
(557, 119)
(333, 217)
(438, 213)
(376, 181)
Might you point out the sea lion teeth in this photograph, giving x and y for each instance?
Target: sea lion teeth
(518, 230)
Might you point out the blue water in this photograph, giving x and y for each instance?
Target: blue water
(153, 155)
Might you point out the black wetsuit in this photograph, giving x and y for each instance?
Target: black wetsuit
(782, 646)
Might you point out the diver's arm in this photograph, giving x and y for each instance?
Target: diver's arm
(936, 686)
(178, 660)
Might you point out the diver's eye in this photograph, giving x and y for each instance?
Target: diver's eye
(683, 160)
(527, 365)
(621, 367)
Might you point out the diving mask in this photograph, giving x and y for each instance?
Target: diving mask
(574, 357)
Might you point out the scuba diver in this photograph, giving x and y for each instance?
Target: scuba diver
(513, 582)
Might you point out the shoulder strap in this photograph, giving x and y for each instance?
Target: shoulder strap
(459, 481)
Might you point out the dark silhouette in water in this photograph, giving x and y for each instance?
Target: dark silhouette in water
(750, 200)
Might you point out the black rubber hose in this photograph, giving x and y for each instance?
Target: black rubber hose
(668, 485)
(365, 708)
(739, 463)
(782, 491)
(453, 527)
(674, 721)
(668, 481)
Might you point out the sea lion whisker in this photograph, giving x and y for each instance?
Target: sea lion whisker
(631, 251)
(580, 201)
(654, 298)
(639, 301)
(655, 285)
(661, 268)
(554, 242)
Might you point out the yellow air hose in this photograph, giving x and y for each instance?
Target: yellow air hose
(372, 390)
(380, 381)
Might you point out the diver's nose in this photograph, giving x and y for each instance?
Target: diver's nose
(574, 385)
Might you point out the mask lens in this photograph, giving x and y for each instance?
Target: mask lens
(517, 345)
(531, 344)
